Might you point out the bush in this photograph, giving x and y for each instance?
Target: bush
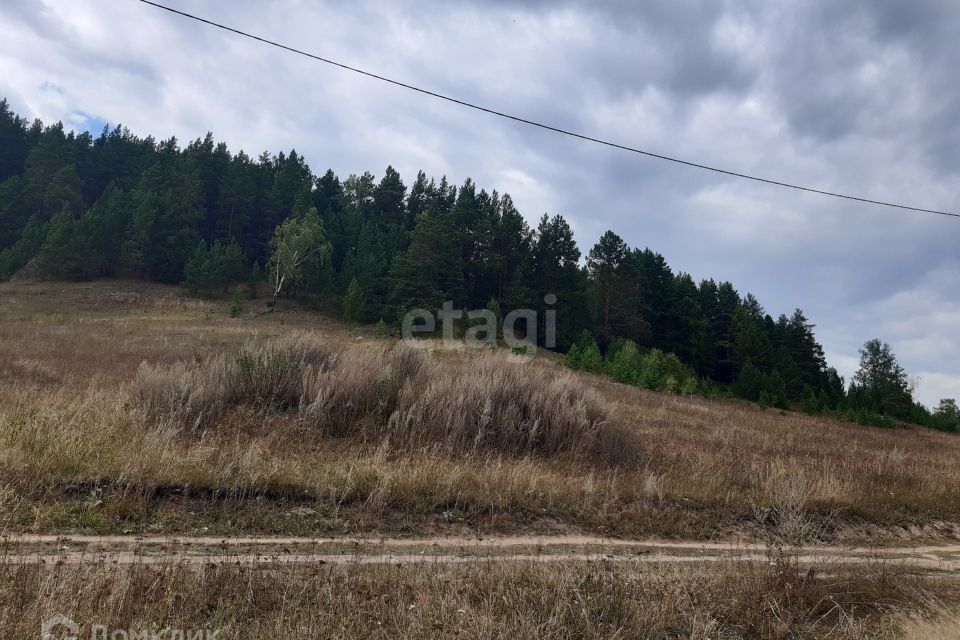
(749, 383)
(946, 417)
(663, 372)
(194, 395)
(707, 388)
(521, 349)
(381, 330)
(870, 419)
(765, 399)
(359, 396)
(266, 377)
(400, 394)
(572, 359)
(623, 363)
(180, 395)
(808, 401)
(776, 390)
(585, 354)
(495, 407)
(236, 304)
(689, 387)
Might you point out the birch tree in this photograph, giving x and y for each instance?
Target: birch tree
(298, 245)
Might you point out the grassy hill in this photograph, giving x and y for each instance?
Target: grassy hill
(128, 407)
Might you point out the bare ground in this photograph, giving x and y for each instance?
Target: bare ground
(68, 549)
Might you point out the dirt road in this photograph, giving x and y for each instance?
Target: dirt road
(70, 549)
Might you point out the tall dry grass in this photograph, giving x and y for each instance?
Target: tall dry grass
(494, 405)
(400, 395)
(941, 623)
(187, 444)
(515, 600)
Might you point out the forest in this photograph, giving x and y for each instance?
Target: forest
(77, 207)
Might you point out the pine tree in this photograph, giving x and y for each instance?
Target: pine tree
(555, 271)
(353, 302)
(749, 383)
(605, 263)
(429, 272)
(946, 417)
(255, 278)
(808, 401)
(880, 384)
(202, 273)
(65, 252)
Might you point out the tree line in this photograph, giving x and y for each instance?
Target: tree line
(77, 207)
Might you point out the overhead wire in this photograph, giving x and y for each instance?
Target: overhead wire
(548, 127)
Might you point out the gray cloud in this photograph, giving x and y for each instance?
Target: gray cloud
(855, 96)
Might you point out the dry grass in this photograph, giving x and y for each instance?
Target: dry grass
(126, 408)
(496, 600)
(399, 397)
(942, 624)
(492, 405)
(318, 414)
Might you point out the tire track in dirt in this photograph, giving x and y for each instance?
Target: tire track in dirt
(77, 549)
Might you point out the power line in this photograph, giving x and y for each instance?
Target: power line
(541, 125)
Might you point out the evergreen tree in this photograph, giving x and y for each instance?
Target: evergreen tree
(749, 383)
(14, 142)
(880, 385)
(200, 273)
(119, 205)
(946, 417)
(429, 272)
(65, 252)
(612, 271)
(556, 272)
(353, 302)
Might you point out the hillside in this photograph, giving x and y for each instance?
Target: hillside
(200, 468)
(75, 207)
(96, 442)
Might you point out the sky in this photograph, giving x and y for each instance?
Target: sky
(858, 97)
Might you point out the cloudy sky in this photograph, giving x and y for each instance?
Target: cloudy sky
(859, 97)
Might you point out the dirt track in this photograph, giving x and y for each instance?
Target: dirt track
(47, 549)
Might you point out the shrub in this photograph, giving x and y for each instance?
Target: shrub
(269, 375)
(572, 359)
(689, 387)
(491, 405)
(236, 304)
(671, 385)
(623, 362)
(381, 330)
(823, 401)
(765, 399)
(585, 354)
(521, 349)
(707, 388)
(808, 401)
(180, 395)
(870, 419)
(354, 302)
(660, 371)
(193, 395)
(776, 390)
(268, 378)
(496, 407)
